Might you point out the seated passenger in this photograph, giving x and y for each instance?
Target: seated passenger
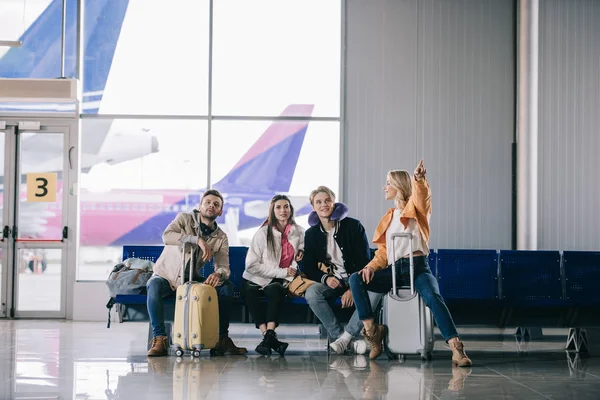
(199, 228)
(412, 198)
(270, 266)
(335, 246)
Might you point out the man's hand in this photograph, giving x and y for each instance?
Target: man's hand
(332, 282)
(213, 279)
(347, 300)
(420, 171)
(367, 274)
(206, 251)
(300, 255)
(291, 271)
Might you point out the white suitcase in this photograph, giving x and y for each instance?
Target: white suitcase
(409, 321)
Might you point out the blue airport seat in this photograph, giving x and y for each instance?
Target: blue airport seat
(237, 265)
(468, 282)
(582, 280)
(532, 289)
(531, 277)
(468, 274)
(150, 253)
(131, 299)
(582, 277)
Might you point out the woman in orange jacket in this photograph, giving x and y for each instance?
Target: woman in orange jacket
(412, 198)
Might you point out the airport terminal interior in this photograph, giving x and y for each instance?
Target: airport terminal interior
(116, 117)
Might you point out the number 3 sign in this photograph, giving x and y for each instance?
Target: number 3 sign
(41, 187)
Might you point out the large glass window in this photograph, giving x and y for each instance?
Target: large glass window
(146, 57)
(254, 160)
(138, 175)
(270, 58)
(271, 53)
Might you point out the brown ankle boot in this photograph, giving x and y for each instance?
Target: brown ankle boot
(375, 340)
(459, 357)
(226, 346)
(159, 347)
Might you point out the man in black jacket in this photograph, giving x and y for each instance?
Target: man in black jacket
(335, 247)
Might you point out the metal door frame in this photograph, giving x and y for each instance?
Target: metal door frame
(69, 127)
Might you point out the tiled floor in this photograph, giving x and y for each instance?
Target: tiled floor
(66, 360)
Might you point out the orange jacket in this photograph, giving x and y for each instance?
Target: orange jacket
(418, 207)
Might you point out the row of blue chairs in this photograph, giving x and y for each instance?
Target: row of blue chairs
(520, 277)
(503, 288)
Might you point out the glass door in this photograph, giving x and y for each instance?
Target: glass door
(35, 220)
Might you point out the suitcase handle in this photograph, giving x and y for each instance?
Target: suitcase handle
(394, 294)
(192, 266)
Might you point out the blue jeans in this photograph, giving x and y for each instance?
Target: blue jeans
(425, 285)
(355, 324)
(318, 297)
(158, 288)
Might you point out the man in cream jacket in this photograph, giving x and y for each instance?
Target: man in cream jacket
(197, 229)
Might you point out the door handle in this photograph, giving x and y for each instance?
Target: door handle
(5, 233)
(65, 234)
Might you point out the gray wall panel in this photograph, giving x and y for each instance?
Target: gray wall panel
(433, 79)
(569, 125)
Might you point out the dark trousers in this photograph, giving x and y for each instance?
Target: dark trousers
(275, 294)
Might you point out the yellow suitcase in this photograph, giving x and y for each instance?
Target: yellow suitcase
(196, 324)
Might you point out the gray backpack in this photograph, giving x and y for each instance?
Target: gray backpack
(129, 277)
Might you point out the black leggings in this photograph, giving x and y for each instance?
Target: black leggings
(275, 294)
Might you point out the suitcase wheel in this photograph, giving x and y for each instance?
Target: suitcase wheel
(196, 353)
(179, 352)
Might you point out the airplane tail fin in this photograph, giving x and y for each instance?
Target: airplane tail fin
(39, 56)
(269, 165)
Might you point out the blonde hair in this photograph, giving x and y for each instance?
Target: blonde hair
(321, 189)
(401, 181)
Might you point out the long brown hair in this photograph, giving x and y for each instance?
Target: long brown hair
(271, 221)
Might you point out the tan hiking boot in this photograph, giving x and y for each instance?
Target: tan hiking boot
(375, 340)
(159, 347)
(459, 357)
(226, 346)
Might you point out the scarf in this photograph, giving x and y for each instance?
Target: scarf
(287, 250)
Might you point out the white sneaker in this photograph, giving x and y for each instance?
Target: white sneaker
(360, 346)
(339, 346)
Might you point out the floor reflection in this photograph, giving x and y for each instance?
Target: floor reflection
(52, 359)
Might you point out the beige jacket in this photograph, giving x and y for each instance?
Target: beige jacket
(185, 230)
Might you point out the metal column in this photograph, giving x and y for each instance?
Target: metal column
(527, 124)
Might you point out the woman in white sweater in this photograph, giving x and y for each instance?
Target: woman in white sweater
(271, 263)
